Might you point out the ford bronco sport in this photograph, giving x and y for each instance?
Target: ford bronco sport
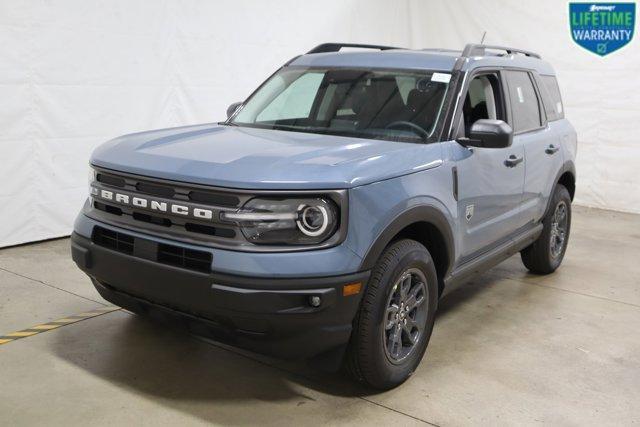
(327, 215)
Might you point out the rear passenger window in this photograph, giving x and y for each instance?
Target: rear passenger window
(555, 111)
(524, 102)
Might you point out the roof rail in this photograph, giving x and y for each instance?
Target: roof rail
(472, 49)
(438, 49)
(335, 47)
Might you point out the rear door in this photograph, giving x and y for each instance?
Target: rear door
(541, 143)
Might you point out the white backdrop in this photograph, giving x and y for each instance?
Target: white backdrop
(601, 95)
(76, 73)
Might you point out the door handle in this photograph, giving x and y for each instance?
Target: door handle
(551, 149)
(513, 161)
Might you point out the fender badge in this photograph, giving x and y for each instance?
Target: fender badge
(469, 212)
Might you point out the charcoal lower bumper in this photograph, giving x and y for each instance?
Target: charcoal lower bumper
(270, 316)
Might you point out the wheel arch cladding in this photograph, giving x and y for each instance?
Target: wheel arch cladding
(569, 181)
(567, 177)
(425, 224)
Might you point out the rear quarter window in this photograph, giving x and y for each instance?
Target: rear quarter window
(551, 98)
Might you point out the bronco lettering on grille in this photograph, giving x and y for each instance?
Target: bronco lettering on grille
(127, 199)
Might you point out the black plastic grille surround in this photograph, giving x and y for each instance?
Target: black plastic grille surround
(156, 190)
(214, 199)
(110, 180)
(178, 193)
(113, 240)
(163, 253)
(168, 191)
(183, 257)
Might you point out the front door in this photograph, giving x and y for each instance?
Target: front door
(490, 180)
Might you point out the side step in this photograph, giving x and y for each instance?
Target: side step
(492, 258)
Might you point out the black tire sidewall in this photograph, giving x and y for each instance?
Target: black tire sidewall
(385, 373)
(560, 194)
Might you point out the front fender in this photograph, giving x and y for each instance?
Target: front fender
(421, 213)
(379, 211)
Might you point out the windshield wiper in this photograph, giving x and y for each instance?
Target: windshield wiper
(293, 128)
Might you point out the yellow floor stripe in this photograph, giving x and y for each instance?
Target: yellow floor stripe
(44, 327)
(67, 320)
(21, 334)
(89, 314)
(102, 310)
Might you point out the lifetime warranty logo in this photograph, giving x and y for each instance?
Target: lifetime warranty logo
(602, 28)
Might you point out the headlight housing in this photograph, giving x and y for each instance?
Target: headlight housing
(91, 177)
(290, 221)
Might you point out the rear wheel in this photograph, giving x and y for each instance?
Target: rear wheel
(545, 255)
(395, 320)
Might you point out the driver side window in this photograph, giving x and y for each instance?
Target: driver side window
(482, 101)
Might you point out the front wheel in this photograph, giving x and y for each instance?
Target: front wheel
(545, 255)
(395, 320)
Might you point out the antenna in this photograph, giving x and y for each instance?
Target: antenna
(483, 35)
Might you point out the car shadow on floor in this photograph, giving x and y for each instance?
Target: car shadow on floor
(195, 375)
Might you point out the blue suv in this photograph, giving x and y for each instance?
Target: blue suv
(328, 214)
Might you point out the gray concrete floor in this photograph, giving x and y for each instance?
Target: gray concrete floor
(507, 348)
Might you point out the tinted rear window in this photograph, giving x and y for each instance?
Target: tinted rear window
(551, 98)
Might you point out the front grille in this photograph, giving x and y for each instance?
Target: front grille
(186, 212)
(152, 219)
(162, 253)
(116, 181)
(108, 208)
(207, 230)
(156, 190)
(214, 198)
(211, 231)
(113, 240)
(185, 258)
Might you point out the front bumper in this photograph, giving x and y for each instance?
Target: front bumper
(269, 316)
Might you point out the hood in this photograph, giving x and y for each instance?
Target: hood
(250, 158)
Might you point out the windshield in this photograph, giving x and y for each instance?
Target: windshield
(391, 105)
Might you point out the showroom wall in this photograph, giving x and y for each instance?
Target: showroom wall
(601, 94)
(76, 73)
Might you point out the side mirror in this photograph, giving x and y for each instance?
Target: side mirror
(232, 108)
(487, 133)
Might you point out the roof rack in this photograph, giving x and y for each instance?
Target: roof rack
(335, 47)
(439, 49)
(472, 49)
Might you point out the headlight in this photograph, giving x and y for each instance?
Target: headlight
(286, 221)
(92, 178)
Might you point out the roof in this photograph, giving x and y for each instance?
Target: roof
(473, 56)
(405, 59)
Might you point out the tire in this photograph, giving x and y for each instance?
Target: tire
(375, 356)
(545, 255)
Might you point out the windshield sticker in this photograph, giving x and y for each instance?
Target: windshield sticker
(441, 77)
(602, 28)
